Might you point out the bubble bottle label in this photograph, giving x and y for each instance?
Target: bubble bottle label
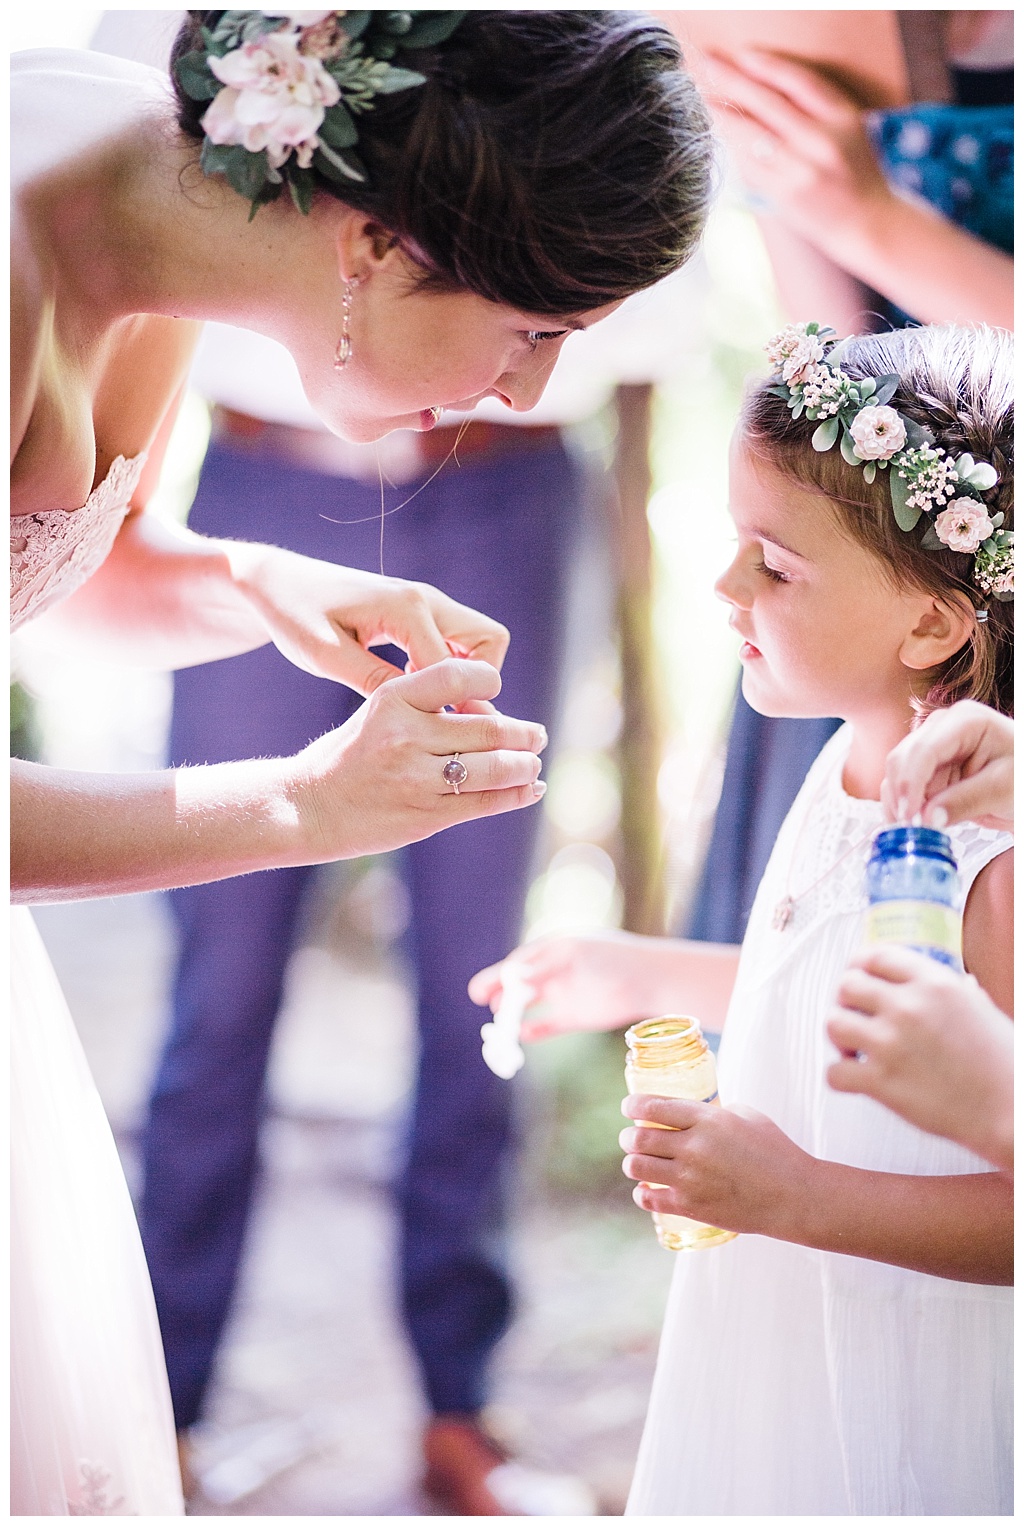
(912, 892)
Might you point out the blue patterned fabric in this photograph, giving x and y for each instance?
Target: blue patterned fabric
(958, 158)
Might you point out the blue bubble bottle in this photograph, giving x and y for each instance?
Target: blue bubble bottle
(913, 893)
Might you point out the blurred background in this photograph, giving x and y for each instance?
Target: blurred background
(315, 1408)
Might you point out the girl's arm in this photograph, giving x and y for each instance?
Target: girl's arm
(734, 1168)
(374, 784)
(607, 980)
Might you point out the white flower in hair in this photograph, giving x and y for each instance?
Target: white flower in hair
(878, 433)
(964, 525)
(275, 98)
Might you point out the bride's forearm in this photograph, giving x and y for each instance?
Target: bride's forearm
(164, 598)
(78, 835)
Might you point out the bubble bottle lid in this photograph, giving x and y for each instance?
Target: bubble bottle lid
(913, 842)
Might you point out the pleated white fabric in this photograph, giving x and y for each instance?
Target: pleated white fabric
(792, 1381)
(92, 1432)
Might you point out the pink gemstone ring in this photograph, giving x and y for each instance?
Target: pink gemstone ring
(454, 772)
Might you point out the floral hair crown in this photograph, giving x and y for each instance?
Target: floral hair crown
(923, 479)
(285, 89)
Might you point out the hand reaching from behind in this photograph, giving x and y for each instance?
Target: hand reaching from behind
(956, 766)
(928, 1043)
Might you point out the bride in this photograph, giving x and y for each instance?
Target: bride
(421, 206)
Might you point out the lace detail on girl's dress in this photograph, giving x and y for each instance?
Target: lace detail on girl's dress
(54, 553)
(821, 855)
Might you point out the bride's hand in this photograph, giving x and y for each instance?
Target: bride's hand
(324, 618)
(376, 783)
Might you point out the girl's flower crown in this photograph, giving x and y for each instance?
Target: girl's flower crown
(922, 477)
(285, 88)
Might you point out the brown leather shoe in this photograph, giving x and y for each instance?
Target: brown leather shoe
(469, 1473)
(459, 1456)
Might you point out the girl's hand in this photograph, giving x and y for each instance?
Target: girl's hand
(325, 618)
(376, 782)
(801, 145)
(928, 1043)
(587, 983)
(956, 766)
(726, 1166)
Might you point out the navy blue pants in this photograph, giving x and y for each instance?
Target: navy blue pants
(497, 535)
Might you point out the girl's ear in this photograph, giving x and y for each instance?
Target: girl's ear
(941, 630)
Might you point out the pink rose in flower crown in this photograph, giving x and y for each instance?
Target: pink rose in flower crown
(275, 98)
(878, 433)
(964, 525)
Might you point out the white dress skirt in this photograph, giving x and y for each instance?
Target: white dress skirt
(92, 1431)
(792, 1381)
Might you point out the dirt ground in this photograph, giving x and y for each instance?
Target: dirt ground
(316, 1409)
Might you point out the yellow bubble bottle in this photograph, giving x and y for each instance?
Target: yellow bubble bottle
(669, 1057)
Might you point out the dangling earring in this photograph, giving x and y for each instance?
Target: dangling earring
(343, 354)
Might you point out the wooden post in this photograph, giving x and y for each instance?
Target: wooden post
(641, 867)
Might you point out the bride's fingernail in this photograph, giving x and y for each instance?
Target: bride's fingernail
(939, 815)
(539, 788)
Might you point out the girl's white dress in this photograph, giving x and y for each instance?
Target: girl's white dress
(92, 1431)
(797, 1382)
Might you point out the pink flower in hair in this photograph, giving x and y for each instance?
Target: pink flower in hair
(275, 98)
(878, 433)
(964, 525)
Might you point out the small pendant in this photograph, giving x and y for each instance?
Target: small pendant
(783, 914)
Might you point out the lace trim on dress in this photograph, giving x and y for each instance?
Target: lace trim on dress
(54, 552)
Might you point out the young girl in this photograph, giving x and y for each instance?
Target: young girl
(850, 1352)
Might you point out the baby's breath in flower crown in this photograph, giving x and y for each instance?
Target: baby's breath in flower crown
(285, 89)
(923, 479)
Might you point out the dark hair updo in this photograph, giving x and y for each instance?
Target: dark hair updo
(554, 161)
(958, 382)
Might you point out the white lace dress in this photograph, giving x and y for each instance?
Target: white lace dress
(92, 1432)
(793, 1381)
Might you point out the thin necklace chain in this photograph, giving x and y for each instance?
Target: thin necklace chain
(784, 909)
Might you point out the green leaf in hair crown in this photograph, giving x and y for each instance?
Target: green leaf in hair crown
(857, 415)
(285, 88)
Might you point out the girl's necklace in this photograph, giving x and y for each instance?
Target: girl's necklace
(784, 909)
